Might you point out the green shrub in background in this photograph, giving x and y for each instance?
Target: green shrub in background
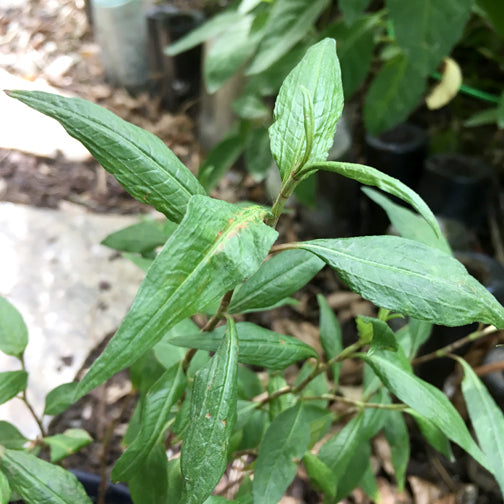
(395, 48)
(197, 386)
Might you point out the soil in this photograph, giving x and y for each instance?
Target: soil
(33, 36)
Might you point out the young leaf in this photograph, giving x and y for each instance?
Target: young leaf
(155, 410)
(373, 177)
(10, 437)
(284, 442)
(410, 278)
(381, 335)
(289, 21)
(397, 436)
(13, 331)
(68, 443)
(394, 93)
(258, 346)
(408, 224)
(216, 246)
(276, 279)
(318, 73)
(487, 420)
(330, 335)
(425, 399)
(140, 161)
(39, 481)
(142, 237)
(427, 31)
(11, 383)
(213, 415)
(5, 491)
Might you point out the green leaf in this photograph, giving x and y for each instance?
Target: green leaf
(276, 279)
(219, 160)
(38, 481)
(258, 346)
(319, 473)
(257, 154)
(251, 106)
(212, 28)
(60, 398)
(482, 118)
(372, 177)
(11, 383)
(355, 50)
(13, 330)
(314, 84)
(156, 408)
(427, 30)
(407, 223)
(10, 437)
(216, 246)
(249, 384)
(289, 21)
(140, 161)
(433, 435)
(149, 485)
(338, 450)
(368, 480)
(410, 278)
(394, 93)
(330, 335)
(142, 262)
(281, 403)
(284, 443)
(167, 353)
(420, 332)
(377, 333)
(5, 491)
(175, 481)
(140, 238)
(352, 9)
(213, 415)
(487, 420)
(495, 12)
(397, 436)
(68, 443)
(425, 399)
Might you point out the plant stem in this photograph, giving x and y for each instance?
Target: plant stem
(224, 304)
(287, 189)
(354, 402)
(27, 403)
(444, 351)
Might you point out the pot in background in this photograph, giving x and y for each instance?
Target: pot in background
(457, 186)
(116, 494)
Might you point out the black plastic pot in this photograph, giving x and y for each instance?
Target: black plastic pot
(457, 186)
(400, 153)
(116, 494)
(177, 78)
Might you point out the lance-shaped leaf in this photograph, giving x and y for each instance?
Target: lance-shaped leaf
(283, 445)
(216, 246)
(408, 224)
(258, 346)
(155, 411)
(5, 491)
(307, 109)
(288, 22)
(424, 398)
(39, 481)
(13, 331)
(10, 437)
(396, 432)
(373, 177)
(11, 383)
(213, 415)
(275, 280)
(408, 277)
(427, 30)
(487, 420)
(140, 161)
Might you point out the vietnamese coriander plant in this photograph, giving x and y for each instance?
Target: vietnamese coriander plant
(221, 260)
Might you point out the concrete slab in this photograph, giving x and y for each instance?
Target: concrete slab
(27, 130)
(71, 291)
